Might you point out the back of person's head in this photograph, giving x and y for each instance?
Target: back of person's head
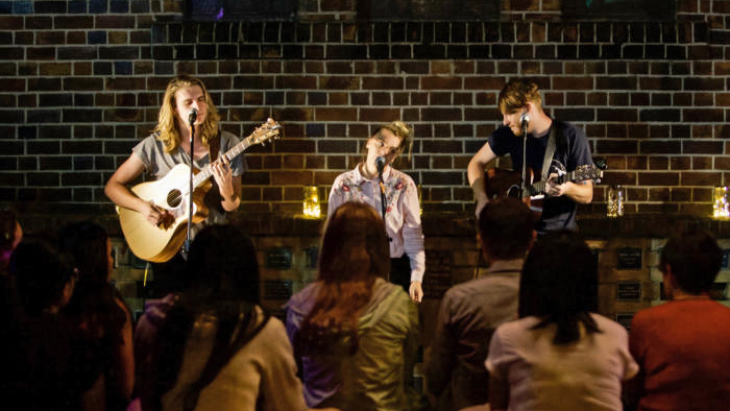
(695, 260)
(559, 284)
(222, 263)
(353, 254)
(10, 236)
(222, 280)
(88, 244)
(41, 274)
(517, 93)
(506, 228)
(354, 245)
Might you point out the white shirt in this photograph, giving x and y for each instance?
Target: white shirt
(402, 214)
(584, 375)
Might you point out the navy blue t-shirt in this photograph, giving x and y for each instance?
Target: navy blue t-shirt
(571, 150)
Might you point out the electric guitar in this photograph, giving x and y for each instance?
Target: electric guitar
(160, 243)
(500, 182)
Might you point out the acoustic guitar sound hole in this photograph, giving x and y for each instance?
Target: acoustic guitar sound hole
(174, 198)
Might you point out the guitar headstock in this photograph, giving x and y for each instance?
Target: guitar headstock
(268, 131)
(589, 172)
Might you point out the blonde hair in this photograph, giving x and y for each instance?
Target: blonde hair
(517, 93)
(167, 126)
(399, 129)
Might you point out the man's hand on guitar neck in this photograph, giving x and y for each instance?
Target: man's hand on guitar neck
(580, 192)
(553, 189)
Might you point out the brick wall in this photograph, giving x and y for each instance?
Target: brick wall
(81, 83)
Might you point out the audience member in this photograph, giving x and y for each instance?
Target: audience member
(100, 309)
(683, 346)
(354, 333)
(45, 363)
(560, 354)
(471, 311)
(10, 235)
(215, 348)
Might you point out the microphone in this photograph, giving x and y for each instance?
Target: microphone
(193, 116)
(524, 119)
(380, 164)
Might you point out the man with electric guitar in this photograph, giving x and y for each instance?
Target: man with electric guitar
(554, 148)
(154, 215)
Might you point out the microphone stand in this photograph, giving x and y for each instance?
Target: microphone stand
(523, 188)
(382, 206)
(188, 240)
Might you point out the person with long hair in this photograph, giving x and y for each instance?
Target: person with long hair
(354, 333)
(10, 235)
(45, 359)
(402, 210)
(215, 348)
(100, 309)
(560, 354)
(169, 145)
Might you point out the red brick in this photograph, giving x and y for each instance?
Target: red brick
(382, 83)
(73, 22)
(379, 114)
(115, 22)
(339, 83)
(441, 83)
(128, 83)
(572, 83)
(335, 114)
(296, 82)
(658, 179)
(55, 69)
(484, 83)
(288, 178)
(701, 179)
(701, 163)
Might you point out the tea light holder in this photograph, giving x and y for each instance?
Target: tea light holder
(310, 205)
(720, 204)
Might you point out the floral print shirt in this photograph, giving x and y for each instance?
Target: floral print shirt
(402, 213)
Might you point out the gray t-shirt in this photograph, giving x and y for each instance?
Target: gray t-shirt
(158, 163)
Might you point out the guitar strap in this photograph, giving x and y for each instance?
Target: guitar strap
(215, 147)
(549, 152)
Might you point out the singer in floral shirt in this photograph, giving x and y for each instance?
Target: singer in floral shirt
(402, 211)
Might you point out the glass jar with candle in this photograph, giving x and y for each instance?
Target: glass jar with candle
(615, 201)
(720, 206)
(310, 205)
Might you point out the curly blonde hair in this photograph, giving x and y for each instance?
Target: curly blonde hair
(167, 126)
(517, 93)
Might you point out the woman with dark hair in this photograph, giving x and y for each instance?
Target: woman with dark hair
(560, 354)
(10, 236)
(100, 309)
(354, 333)
(215, 348)
(45, 362)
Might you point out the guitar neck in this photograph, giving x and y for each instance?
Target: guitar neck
(207, 172)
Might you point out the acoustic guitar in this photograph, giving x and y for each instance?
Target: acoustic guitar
(160, 243)
(500, 182)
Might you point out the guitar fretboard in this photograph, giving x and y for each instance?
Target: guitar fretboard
(539, 187)
(206, 172)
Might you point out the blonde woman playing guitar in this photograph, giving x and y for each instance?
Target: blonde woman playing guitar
(154, 215)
